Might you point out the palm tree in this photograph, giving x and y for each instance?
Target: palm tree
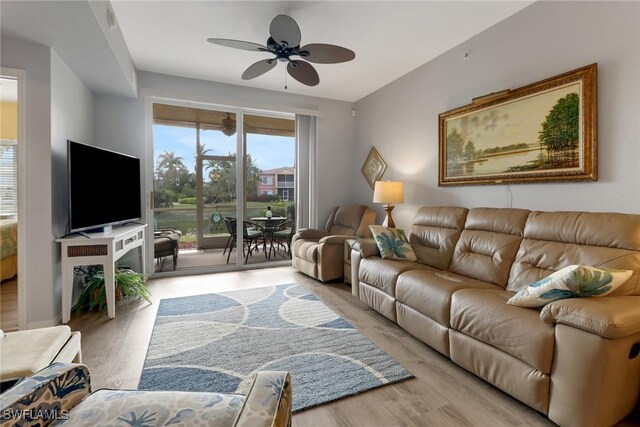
(171, 173)
(201, 150)
(169, 161)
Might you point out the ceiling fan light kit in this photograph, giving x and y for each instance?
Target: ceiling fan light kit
(228, 126)
(284, 42)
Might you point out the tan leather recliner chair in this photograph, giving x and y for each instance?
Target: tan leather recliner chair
(319, 253)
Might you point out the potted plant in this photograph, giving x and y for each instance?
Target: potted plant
(94, 296)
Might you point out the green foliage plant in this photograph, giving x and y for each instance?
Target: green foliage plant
(94, 296)
(187, 201)
(279, 208)
(163, 198)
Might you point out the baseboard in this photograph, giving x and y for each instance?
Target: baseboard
(45, 323)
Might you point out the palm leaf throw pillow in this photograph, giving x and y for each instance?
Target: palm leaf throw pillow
(392, 243)
(574, 281)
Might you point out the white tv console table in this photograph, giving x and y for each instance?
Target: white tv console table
(98, 248)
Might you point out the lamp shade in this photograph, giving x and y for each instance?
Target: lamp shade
(388, 192)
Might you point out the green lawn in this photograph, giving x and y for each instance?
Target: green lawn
(183, 217)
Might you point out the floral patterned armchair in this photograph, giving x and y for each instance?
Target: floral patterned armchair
(61, 395)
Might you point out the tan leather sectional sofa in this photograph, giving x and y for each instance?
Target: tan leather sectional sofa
(575, 360)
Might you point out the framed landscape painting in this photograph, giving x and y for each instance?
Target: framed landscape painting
(542, 132)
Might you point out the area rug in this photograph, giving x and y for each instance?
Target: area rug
(217, 343)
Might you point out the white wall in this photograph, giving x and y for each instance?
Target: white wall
(545, 39)
(120, 125)
(35, 60)
(118, 53)
(71, 118)
(59, 107)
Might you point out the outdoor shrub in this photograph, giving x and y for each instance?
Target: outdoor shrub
(187, 201)
(163, 198)
(268, 197)
(279, 208)
(188, 192)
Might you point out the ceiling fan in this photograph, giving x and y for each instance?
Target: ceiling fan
(284, 42)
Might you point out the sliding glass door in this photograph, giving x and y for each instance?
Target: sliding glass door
(216, 193)
(269, 193)
(227, 218)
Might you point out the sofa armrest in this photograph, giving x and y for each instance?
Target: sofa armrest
(609, 317)
(311, 233)
(48, 394)
(335, 239)
(268, 403)
(366, 247)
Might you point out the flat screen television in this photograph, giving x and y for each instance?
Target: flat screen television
(104, 187)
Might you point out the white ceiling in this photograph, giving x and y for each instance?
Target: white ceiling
(390, 38)
(73, 30)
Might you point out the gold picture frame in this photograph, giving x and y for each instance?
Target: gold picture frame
(373, 167)
(542, 132)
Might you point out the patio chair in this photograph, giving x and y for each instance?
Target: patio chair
(166, 242)
(281, 237)
(230, 230)
(252, 235)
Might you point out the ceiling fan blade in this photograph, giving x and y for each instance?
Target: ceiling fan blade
(321, 53)
(303, 72)
(239, 44)
(285, 31)
(259, 68)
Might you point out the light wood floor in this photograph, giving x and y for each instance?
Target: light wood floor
(9, 305)
(442, 394)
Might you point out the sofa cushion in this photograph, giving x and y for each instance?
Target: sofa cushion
(506, 372)
(574, 281)
(43, 345)
(554, 240)
(383, 273)
(345, 220)
(498, 220)
(489, 243)
(166, 242)
(614, 230)
(430, 292)
(158, 408)
(306, 250)
(392, 243)
(485, 316)
(435, 232)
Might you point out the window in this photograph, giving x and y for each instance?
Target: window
(267, 180)
(286, 181)
(8, 177)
